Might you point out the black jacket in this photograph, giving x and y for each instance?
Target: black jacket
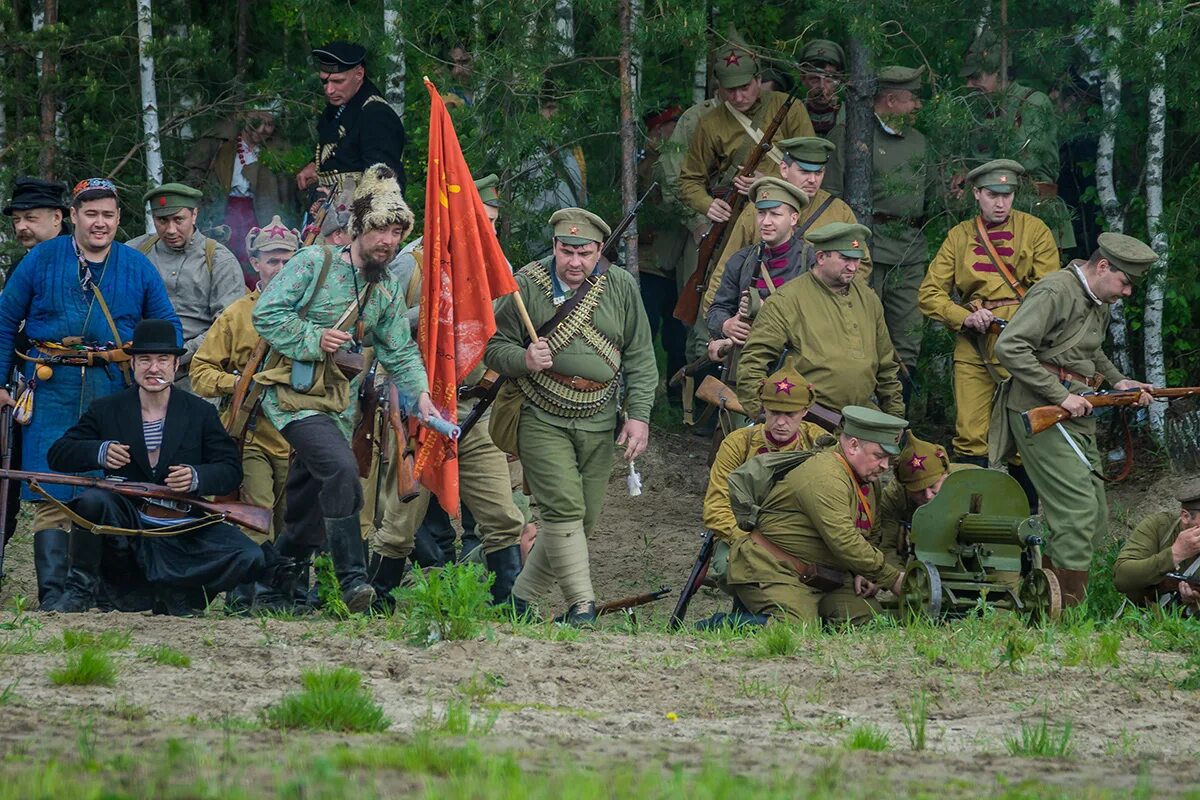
(192, 435)
(369, 131)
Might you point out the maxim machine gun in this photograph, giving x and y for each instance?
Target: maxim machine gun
(975, 542)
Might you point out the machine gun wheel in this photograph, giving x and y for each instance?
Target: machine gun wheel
(921, 591)
(1040, 596)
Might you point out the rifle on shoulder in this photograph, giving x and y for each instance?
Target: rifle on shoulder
(1042, 418)
(688, 306)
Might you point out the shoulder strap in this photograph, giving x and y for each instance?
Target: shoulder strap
(775, 154)
(145, 247)
(210, 252)
(994, 257)
(808, 223)
(571, 302)
(321, 276)
(112, 326)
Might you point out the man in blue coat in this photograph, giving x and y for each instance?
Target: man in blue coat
(80, 298)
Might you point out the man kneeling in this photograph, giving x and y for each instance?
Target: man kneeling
(152, 433)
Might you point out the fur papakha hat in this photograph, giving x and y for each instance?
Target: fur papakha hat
(378, 202)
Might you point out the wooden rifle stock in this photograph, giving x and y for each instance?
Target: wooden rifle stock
(625, 603)
(687, 308)
(406, 484)
(362, 440)
(243, 514)
(714, 392)
(1042, 418)
(236, 428)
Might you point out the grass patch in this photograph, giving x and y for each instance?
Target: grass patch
(332, 700)
(328, 588)
(915, 719)
(777, 640)
(86, 666)
(126, 709)
(1041, 740)
(457, 720)
(165, 655)
(108, 640)
(867, 737)
(423, 756)
(450, 603)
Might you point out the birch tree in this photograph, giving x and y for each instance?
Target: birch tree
(1156, 370)
(154, 162)
(393, 88)
(564, 25)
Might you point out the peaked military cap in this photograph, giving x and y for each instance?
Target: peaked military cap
(823, 51)
(870, 425)
(810, 153)
(921, 463)
(339, 56)
(982, 56)
(1001, 175)
(1189, 495)
(734, 66)
(899, 78)
(771, 192)
(847, 238)
(36, 193)
(578, 227)
(785, 390)
(165, 200)
(487, 189)
(1131, 256)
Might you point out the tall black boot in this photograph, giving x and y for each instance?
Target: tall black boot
(180, 601)
(506, 565)
(344, 537)
(83, 577)
(1018, 473)
(386, 575)
(51, 551)
(906, 386)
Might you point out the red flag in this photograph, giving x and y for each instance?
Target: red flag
(464, 270)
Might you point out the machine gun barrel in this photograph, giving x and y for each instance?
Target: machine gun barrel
(991, 529)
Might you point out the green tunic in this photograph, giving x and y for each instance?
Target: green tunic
(276, 320)
(1146, 556)
(1022, 124)
(839, 342)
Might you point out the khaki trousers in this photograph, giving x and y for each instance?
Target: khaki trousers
(897, 285)
(263, 480)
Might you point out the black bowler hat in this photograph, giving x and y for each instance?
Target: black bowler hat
(339, 56)
(154, 337)
(36, 193)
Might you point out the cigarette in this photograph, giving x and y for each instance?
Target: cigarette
(159, 380)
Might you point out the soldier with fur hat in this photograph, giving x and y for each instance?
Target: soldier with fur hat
(1162, 543)
(347, 295)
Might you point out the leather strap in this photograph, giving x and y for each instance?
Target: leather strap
(775, 154)
(777, 553)
(575, 382)
(1064, 374)
(808, 223)
(862, 498)
(571, 302)
(763, 271)
(999, 264)
(166, 530)
(112, 326)
(992, 305)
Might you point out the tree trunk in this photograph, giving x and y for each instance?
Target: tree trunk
(242, 41)
(626, 20)
(564, 25)
(700, 71)
(1106, 185)
(393, 89)
(860, 130)
(1156, 370)
(45, 16)
(154, 163)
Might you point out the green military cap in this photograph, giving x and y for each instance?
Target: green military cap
(1131, 256)
(982, 56)
(165, 200)
(785, 390)
(846, 238)
(921, 464)
(823, 51)
(1001, 175)
(487, 189)
(899, 78)
(734, 66)
(810, 153)
(870, 425)
(576, 226)
(772, 192)
(1189, 495)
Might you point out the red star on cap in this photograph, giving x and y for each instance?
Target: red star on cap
(1004, 179)
(275, 232)
(733, 59)
(917, 463)
(162, 201)
(855, 243)
(784, 387)
(574, 229)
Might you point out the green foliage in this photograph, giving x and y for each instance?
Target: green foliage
(165, 655)
(107, 640)
(457, 720)
(86, 666)
(778, 639)
(328, 588)
(867, 737)
(453, 602)
(915, 719)
(332, 700)
(1041, 740)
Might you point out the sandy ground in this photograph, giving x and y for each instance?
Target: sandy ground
(642, 695)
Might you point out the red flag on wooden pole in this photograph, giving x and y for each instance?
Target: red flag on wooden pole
(464, 271)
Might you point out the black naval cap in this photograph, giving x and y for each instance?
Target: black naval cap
(339, 56)
(36, 193)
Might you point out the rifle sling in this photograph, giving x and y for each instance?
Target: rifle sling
(808, 223)
(997, 262)
(112, 326)
(112, 530)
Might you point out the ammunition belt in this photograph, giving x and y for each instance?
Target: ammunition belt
(576, 382)
(563, 401)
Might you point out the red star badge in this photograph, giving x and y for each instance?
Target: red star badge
(733, 59)
(855, 243)
(1004, 179)
(784, 387)
(162, 201)
(574, 229)
(275, 232)
(917, 463)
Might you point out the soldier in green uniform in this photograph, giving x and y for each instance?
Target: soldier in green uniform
(1161, 543)
(831, 329)
(821, 66)
(563, 398)
(1053, 350)
(901, 189)
(820, 515)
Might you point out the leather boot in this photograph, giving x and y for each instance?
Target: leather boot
(506, 565)
(51, 553)
(1072, 583)
(180, 601)
(386, 575)
(83, 577)
(1018, 473)
(344, 537)
(582, 614)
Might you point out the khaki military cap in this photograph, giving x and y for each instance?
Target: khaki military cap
(785, 390)
(1131, 256)
(1189, 495)
(846, 238)
(734, 66)
(487, 189)
(921, 463)
(823, 51)
(810, 153)
(982, 56)
(165, 200)
(870, 425)
(772, 192)
(1001, 175)
(578, 227)
(899, 78)
(274, 236)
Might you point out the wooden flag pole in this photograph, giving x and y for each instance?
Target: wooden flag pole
(533, 334)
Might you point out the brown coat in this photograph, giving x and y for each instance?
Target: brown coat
(210, 168)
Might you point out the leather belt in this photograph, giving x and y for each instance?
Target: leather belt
(65, 355)
(575, 382)
(992, 305)
(1064, 374)
(816, 575)
(1046, 189)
